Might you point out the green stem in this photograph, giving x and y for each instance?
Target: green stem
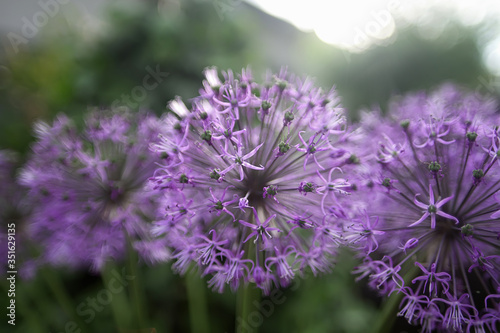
(136, 292)
(59, 291)
(119, 302)
(388, 315)
(198, 312)
(248, 301)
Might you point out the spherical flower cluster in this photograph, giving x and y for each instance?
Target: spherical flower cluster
(252, 179)
(432, 230)
(89, 187)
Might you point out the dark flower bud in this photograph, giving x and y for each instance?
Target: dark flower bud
(206, 136)
(266, 105)
(183, 179)
(288, 117)
(214, 174)
(405, 124)
(283, 147)
(471, 136)
(434, 167)
(353, 159)
(467, 230)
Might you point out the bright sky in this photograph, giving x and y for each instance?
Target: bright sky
(356, 25)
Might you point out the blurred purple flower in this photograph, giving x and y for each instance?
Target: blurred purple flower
(446, 248)
(89, 188)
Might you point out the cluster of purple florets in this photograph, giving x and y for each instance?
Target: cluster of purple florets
(432, 230)
(89, 187)
(260, 182)
(252, 178)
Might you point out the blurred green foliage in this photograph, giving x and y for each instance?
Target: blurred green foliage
(69, 73)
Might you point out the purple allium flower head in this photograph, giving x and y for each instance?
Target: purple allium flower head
(433, 215)
(252, 179)
(89, 188)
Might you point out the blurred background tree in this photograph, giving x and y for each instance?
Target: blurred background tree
(67, 68)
